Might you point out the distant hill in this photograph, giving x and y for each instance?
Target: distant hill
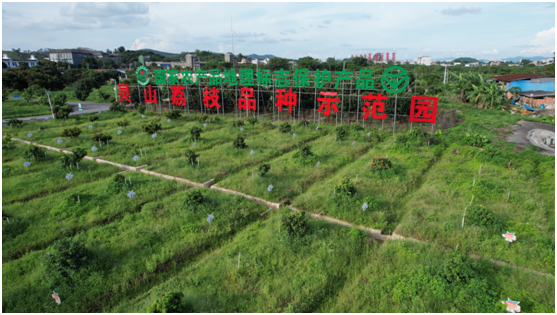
(162, 53)
(513, 59)
(255, 56)
(466, 60)
(517, 59)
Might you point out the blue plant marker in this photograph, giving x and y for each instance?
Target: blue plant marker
(94, 149)
(365, 206)
(316, 128)
(194, 144)
(251, 152)
(154, 136)
(318, 164)
(242, 129)
(46, 118)
(369, 134)
(131, 194)
(210, 219)
(294, 136)
(270, 188)
(69, 176)
(205, 125)
(27, 164)
(29, 135)
(353, 143)
(142, 116)
(90, 126)
(135, 158)
(168, 120)
(59, 141)
(119, 132)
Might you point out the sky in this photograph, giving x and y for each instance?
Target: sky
(441, 30)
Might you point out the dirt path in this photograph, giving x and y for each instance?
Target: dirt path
(536, 131)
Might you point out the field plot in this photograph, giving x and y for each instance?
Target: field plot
(277, 272)
(15, 109)
(513, 192)
(293, 173)
(344, 194)
(123, 258)
(224, 159)
(407, 277)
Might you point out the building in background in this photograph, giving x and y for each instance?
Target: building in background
(71, 56)
(229, 57)
(192, 61)
(423, 60)
(32, 61)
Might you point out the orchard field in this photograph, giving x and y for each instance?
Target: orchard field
(112, 240)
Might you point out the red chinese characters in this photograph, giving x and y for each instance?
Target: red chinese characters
(289, 99)
(328, 102)
(376, 107)
(152, 96)
(124, 92)
(212, 96)
(247, 102)
(177, 97)
(423, 109)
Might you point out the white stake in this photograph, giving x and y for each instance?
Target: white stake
(463, 217)
(472, 200)
(480, 170)
(78, 199)
(198, 162)
(356, 180)
(474, 182)
(8, 220)
(130, 181)
(77, 165)
(239, 254)
(70, 167)
(508, 195)
(125, 181)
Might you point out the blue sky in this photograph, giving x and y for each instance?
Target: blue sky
(292, 30)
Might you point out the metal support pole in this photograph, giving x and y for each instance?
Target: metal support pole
(314, 104)
(168, 91)
(299, 102)
(236, 99)
(200, 101)
(358, 111)
(222, 89)
(394, 121)
(258, 101)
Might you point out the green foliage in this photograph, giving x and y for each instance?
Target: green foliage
(93, 118)
(151, 128)
(195, 132)
(202, 118)
(123, 123)
(263, 169)
(73, 159)
(475, 140)
(341, 132)
(483, 217)
(68, 256)
(14, 122)
(356, 127)
(285, 127)
(303, 123)
(171, 302)
(7, 141)
(295, 223)
(237, 123)
(116, 107)
(304, 154)
(191, 157)
(141, 109)
(34, 152)
(345, 186)
(193, 197)
(457, 268)
(71, 132)
(82, 88)
(62, 112)
(239, 143)
(380, 163)
(100, 137)
(252, 120)
(116, 184)
(173, 114)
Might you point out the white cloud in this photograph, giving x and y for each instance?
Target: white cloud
(461, 11)
(542, 45)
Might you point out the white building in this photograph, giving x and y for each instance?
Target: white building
(32, 61)
(424, 60)
(255, 61)
(265, 61)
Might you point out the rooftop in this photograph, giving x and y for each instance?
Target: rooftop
(516, 77)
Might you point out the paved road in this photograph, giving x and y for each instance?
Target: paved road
(87, 109)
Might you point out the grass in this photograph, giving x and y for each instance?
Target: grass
(126, 257)
(17, 109)
(277, 273)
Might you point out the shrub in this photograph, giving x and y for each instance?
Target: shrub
(116, 107)
(295, 223)
(285, 127)
(82, 88)
(34, 152)
(475, 140)
(151, 128)
(356, 127)
(116, 184)
(237, 123)
(457, 268)
(193, 197)
(340, 132)
(239, 143)
(483, 217)
(201, 118)
(173, 114)
(73, 159)
(380, 163)
(71, 132)
(252, 120)
(402, 138)
(123, 123)
(170, 303)
(141, 109)
(303, 123)
(68, 256)
(195, 132)
(14, 122)
(415, 132)
(191, 157)
(62, 112)
(7, 141)
(304, 154)
(345, 186)
(93, 118)
(263, 169)
(100, 137)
